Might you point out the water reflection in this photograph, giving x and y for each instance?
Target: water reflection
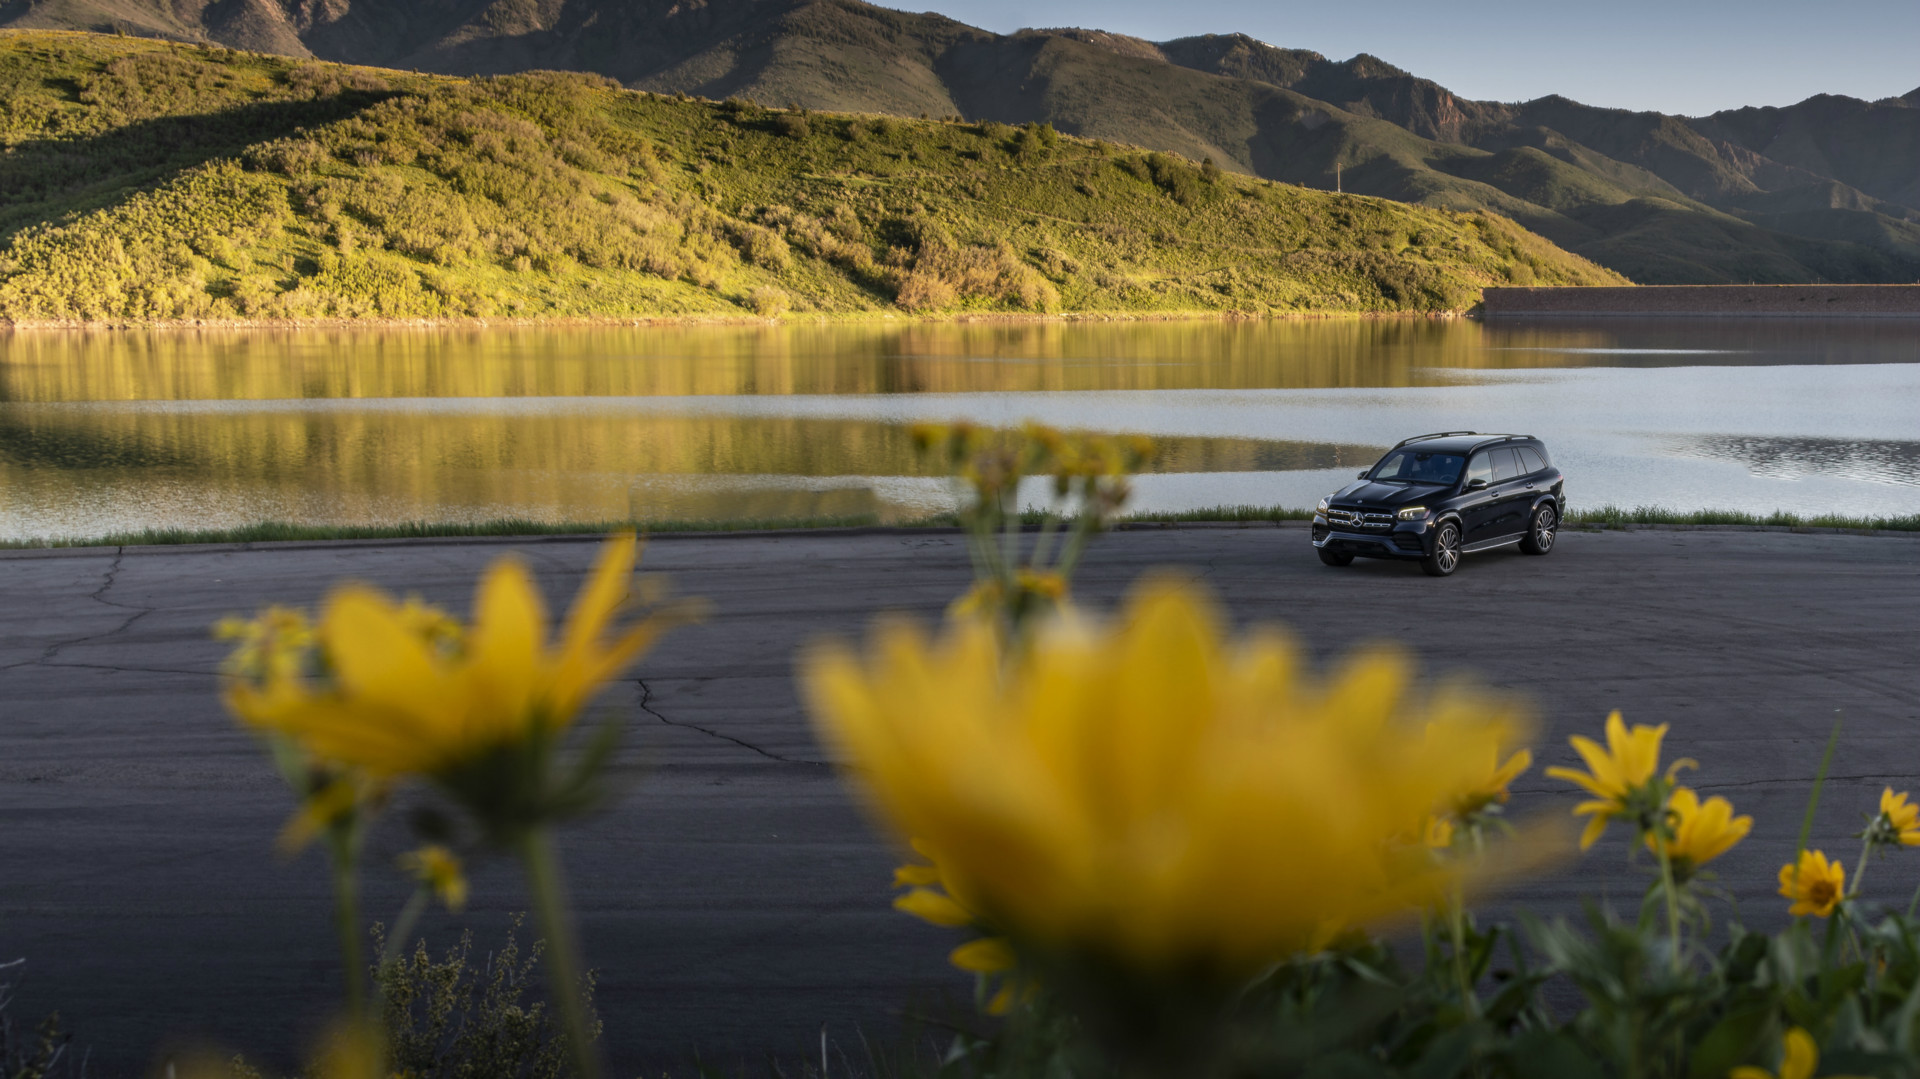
(1791, 458)
(102, 431)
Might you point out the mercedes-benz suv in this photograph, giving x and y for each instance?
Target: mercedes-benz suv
(1437, 497)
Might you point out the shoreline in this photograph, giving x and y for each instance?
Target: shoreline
(280, 534)
(852, 318)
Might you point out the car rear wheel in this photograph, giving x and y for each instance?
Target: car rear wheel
(1446, 551)
(1540, 531)
(1335, 558)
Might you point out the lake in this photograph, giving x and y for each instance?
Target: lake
(108, 431)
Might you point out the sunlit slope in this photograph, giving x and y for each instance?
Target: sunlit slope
(1824, 190)
(151, 181)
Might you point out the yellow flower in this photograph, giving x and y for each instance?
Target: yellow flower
(273, 645)
(1899, 820)
(1148, 792)
(1489, 785)
(1438, 835)
(333, 802)
(1702, 831)
(931, 900)
(1620, 776)
(1814, 884)
(1031, 588)
(439, 869)
(351, 1052)
(408, 694)
(1799, 1059)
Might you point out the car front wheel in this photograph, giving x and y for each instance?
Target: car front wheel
(1446, 551)
(1540, 531)
(1335, 558)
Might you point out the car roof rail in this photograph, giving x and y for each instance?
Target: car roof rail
(1436, 434)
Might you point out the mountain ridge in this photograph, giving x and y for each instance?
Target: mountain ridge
(1827, 189)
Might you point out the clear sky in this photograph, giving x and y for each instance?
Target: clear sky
(1677, 56)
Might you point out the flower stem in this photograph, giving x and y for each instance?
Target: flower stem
(1673, 897)
(403, 924)
(562, 955)
(1457, 925)
(346, 922)
(1860, 870)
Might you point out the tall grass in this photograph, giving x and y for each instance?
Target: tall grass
(1660, 515)
(281, 532)
(284, 532)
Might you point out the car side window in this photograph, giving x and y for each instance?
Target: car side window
(1480, 468)
(1505, 465)
(1530, 461)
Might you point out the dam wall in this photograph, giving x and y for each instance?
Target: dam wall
(1706, 301)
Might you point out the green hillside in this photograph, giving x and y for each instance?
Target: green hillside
(1826, 190)
(152, 181)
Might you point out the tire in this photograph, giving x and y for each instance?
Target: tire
(1446, 551)
(1541, 531)
(1334, 558)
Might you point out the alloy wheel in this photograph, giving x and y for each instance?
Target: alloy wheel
(1446, 549)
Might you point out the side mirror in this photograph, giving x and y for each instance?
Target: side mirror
(1364, 473)
(1476, 483)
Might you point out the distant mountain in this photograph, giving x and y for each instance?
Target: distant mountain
(1825, 190)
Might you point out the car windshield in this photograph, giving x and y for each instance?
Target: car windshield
(1413, 466)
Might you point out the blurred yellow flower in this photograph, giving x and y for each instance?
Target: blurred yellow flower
(273, 645)
(1899, 820)
(989, 597)
(1799, 1059)
(988, 955)
(1149, 792)
(931, 900)
(1702, 831)
(333, 802)
(1489, 787)
(1815, 884)
(352, 1051)
(410, 692)
(440, 871)
(1619, 776)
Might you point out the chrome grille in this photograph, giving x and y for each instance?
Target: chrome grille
(1340, 518)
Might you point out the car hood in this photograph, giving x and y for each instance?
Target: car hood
(1369, 493)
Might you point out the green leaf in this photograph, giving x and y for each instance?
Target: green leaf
(1550, 1054)
(1734, 1040)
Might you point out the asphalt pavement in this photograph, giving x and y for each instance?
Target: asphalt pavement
(735, 900)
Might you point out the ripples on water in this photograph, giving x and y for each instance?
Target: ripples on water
(109, 431)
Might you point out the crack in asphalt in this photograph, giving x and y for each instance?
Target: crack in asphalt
(117, 669)
(98, 595)
(646, 705)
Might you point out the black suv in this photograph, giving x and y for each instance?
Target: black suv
(1436, 497)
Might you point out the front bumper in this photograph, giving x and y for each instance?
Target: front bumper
(1405, 539)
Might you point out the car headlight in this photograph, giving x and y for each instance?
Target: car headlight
(1322, 507)
(1413, 513)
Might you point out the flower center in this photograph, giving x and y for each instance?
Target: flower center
(1821, 892)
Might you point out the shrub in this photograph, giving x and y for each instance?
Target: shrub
(762, 246)
(792, 125)
(925, 292)
(769, 302)
(450, 1018)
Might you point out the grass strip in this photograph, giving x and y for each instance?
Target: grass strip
(280, 531)
(1660, 515)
